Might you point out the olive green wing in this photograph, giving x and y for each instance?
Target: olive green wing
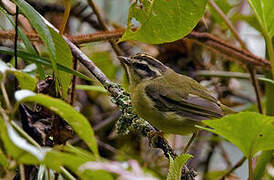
(168, 99)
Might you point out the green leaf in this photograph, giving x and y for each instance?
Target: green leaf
(104, 61)
(13, 150)
(263, 10)
(58, 49)
(251, 132)
(41, 172)
(3, 159)
(213, 175)
(77, 121)
(25, 80)
(43, 61)
(41, 28)
(26, 42)
(22, 143)
(91, 88)
(163, 20)
(176, 165)
(63, 57)
(56, 159)
(84, 154)
(261, 162)
(24, 38)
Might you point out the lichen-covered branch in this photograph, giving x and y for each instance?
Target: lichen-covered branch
(129, 120)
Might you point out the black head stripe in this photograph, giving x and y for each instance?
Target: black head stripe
(151, 61)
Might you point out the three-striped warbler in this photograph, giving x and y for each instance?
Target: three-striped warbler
(171, 102)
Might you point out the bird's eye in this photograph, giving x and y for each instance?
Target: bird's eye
(143, 67)
(143, 70)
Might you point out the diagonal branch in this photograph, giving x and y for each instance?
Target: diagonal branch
(231, 52)
(122, 99)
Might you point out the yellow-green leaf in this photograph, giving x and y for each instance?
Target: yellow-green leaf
(176, 165)
(161, 21)
(251, 132)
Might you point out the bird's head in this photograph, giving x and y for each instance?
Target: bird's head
(142, 67)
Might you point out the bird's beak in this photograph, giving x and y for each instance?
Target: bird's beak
(125, 60)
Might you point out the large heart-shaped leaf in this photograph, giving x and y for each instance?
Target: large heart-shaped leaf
(251, 132)
(162, 21)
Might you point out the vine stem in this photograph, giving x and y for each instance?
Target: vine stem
(4, 92)
(65, 17)
(67, 174)
(238, 164)
(114, 45)
(16, 39)
(250, 169)
(270, 51)
(22, 172)
(228, 23)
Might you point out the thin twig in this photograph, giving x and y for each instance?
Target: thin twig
(77, 39)
(111, 148)
(226, 74)
(15, 39)
(115, 115)
(256, 86)
(5, 94)
(225, 155)
(238, 164)
(231, 52)
(115, 47)
(73, 82)
(213, 143)
(194, 135)
(15, 45)
(227, 22)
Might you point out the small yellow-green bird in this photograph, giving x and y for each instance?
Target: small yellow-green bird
(171, 102)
